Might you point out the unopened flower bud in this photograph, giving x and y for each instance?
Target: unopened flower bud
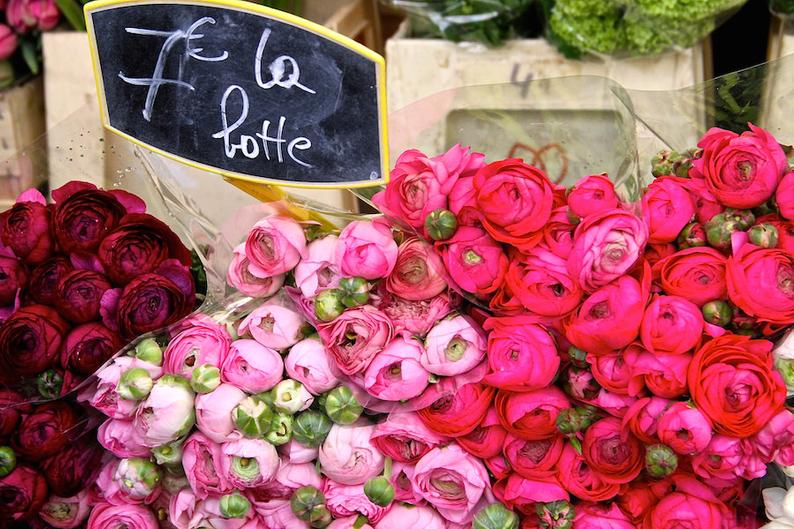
(719, 230)
(8, 460)
(495, 516)
(289, 396)
(135, 384)
(441, 224)
(304, 500)
(253, 417)
(168, 454)
(328, 305)
(663, 163)
(234, 505)
(578, 357)
(205, 378)
(717, 312)
(311, 428)
(320, 517)
(764, 235)
(379, 491)
(355, 291)
(660, 461)
(569, 421)
(342, 406)
(150, 351)
(49, 384)
(693, 235)
(785, 366)
(743, 217)
(555, 515)
(280, 429)
(137, 477)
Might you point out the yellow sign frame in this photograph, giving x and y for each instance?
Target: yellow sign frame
(266, 12)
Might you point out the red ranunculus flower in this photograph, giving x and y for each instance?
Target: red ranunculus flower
(26, 230)
(458, 413)
(45, 278)
(79, 295)
(72, 469)
(46, 431)
(89, 346)
(22, 494)
(30, 341)
(615, 454)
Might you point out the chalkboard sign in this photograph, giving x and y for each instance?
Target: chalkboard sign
(241, 90)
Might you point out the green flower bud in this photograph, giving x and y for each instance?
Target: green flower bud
(764, 235)
(660, 461)
(578, 357)
(311, 427)
(785, 366)
(234, 505)
(168, 454)
(495, 516)
(693, 235)
(664, 163)
(289, 396)
(150, 351)
(717, 312)
(205, 378)
(135, 384)
(573, 420)
(719, 230)
(137, 477)
(49, 384)
(328, 305)
(379, 491)
(555, 515)
(743, 217)
(253, 417)
(8, 460)
(355, 291)
(245, 468)
(280, 429)
(441, 224)
(320, 517)
(342, 406)
(304, 500)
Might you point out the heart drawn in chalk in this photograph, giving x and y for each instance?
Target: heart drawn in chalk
(540, 156)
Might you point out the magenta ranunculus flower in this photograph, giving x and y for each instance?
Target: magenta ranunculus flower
(107, 516)
(671, 325)
(309, 363)
(454, 346)
(354, 338)
(239, 276)
(721, 459)
(474, 261)
(452, 481)
(419, 272)
(404, 437)
(348, 455)
(201, 342)
(667, 208)
(415, 317)
(601, 516)
(402, 516)
(366, 249)
(592, 194)
(784, 196)
(202, 460)
(274, 326)
(345, 500)
(252, 367)
(396, 373)
(214, 412)
(320, 269)
(274, 246)
(249, 463)
(684, 429)
(606, 246)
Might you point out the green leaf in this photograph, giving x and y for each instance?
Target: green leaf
(73, 12)
(30, 55)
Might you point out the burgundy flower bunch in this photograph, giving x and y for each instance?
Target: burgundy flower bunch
(629, 379)
(81, 277)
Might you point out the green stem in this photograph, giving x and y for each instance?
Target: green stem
(387, 468)
(73, 12)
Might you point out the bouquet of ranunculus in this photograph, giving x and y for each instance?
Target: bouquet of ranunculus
(630, 380)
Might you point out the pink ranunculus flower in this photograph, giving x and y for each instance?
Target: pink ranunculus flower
(784, 196)
(605, 246)
(67, 513)
(454, 346)
(452, 481)
(667, 208)
(182, 509)
(403, 486)
(239, 276)
(350, 522)
(347, 500)
(474, 261)
(741, 171)
(366, 249)
(691, 505)
(684, 429)
(273, 326)
(202, 460)
(462, 195)
(404, 437)
(600, 516)
(402, 516)
(522, 355)
(274, 246)
(320, 269)
(277, 514)
(592, 194)
(664, 374)
(671, 324)
(309, 363)
(119, 437)
(296, 453)
(252, 367)
(419, 272)
(721, 459)
(415, 317)
(248, 463)
(396, 373)
(348, 456)
(103, 395)
(25, 15)
(214, 412)
(202, 341)
(289, 477)
(106, 516)
(167, 413)
(706, 204)
(354, 338)
(8, 42)
(209, 514)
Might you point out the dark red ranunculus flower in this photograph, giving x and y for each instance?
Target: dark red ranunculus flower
(13, 277)
(45, 278)
(89, 346)
(150, 302)
(30, 341)
(138, 246)
(22, 494)
(11, 407)
(26, 230)
(84, 215)
(79, 295)
(46, 431)
(72, 469)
